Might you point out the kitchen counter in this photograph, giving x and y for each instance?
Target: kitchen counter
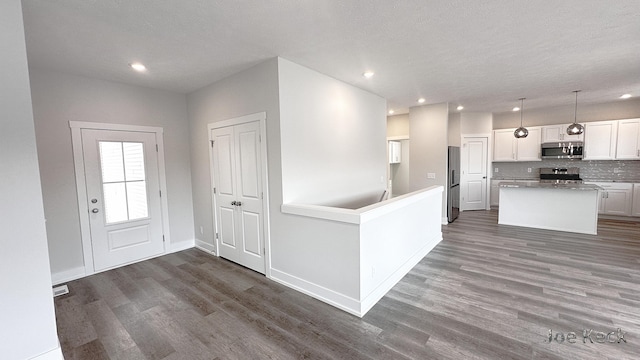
(562, 207)
(587, 187)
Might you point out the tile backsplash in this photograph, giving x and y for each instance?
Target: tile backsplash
(590, 170)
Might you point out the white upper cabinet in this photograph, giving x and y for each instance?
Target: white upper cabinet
(504, 145)
(557, 133)
(628, 139)
(528, 149)
(395, 152)
(507, 148)
(600, 138)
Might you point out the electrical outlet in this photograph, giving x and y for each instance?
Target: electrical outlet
(616, 170)
(496, 170)
(431, 175)
(201, 230)
(528, 169)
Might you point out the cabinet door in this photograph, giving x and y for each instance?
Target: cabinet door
(504, 145)
(395, 152)
(600, 140)
(552, 133)
(628, 140)
(528, 149)
(618, 202)
(635, 207)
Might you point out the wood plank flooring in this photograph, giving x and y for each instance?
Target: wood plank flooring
(485, 292)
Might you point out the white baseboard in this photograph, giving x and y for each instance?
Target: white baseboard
(205, 246)
(55, 354)
(445, 221)
(379, 292)
(179, 246)
(68, 275)
(323, 294)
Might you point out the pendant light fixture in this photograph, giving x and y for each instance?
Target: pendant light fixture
(575, 128)
(521, 132)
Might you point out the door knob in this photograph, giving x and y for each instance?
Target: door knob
(234, 203)
(239, 203)
(94, 210)
(93, 201)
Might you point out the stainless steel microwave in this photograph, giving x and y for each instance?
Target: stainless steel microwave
(562, 150)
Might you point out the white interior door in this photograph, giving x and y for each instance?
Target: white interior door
(473, 182)
(123, 196)
(238, 194)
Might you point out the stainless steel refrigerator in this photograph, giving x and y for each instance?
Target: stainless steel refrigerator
(453, 188)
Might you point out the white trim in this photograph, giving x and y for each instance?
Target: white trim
(341, 301)
(81, 185)
(54, 354)
(261, 117)
(205, 246)
(67, 275)
(363, 214)
(115, 127)
(399, 137)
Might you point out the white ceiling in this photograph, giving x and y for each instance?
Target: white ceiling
(482, 54)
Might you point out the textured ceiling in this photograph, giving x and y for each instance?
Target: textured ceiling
(482, 54)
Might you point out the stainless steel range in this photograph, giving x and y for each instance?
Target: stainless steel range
(560, 175)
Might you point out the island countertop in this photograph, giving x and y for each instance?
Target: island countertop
(584, 187)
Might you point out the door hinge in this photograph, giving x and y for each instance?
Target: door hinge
(214, 190)
(160, 191)
(156, 147)
(217, 236)
(259, 138)
(212, 141)
(162, 238)
(261, 195)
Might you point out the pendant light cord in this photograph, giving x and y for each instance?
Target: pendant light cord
(521, 109)
(575, 112)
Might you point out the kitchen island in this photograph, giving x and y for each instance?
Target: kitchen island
(563, 207)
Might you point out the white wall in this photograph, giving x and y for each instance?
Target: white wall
(59, 98)
(251, 91)
(27, 326)
(333, 149)
(398, 125)
(620, 109)
(476, 123)
(333, 138)
(400, 172)
(453, 129)
(428, 133)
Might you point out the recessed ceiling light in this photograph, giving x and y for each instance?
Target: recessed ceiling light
(368, 74)
(460, 107)
(421, 100)
(516, 109)
(138, 67)
(391, 112)
(625, 96)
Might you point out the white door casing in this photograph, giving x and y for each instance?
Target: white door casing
(473, 165)
(119, 179)
(238, 168)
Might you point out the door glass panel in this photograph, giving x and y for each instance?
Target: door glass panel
(133, 161)
(111, 161)
(123, 181)
(137, 199)
(115, 202)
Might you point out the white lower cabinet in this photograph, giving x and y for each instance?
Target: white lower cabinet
(635, 208)
(616, 198)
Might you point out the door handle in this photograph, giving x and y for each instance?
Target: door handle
(94, 210)
(239, 203)
(234, 203)
(484, 177)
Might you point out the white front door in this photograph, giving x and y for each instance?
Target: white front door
(238, 194)
(123, 196)
(473, 182)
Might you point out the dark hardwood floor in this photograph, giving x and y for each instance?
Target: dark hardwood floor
(485, 292)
